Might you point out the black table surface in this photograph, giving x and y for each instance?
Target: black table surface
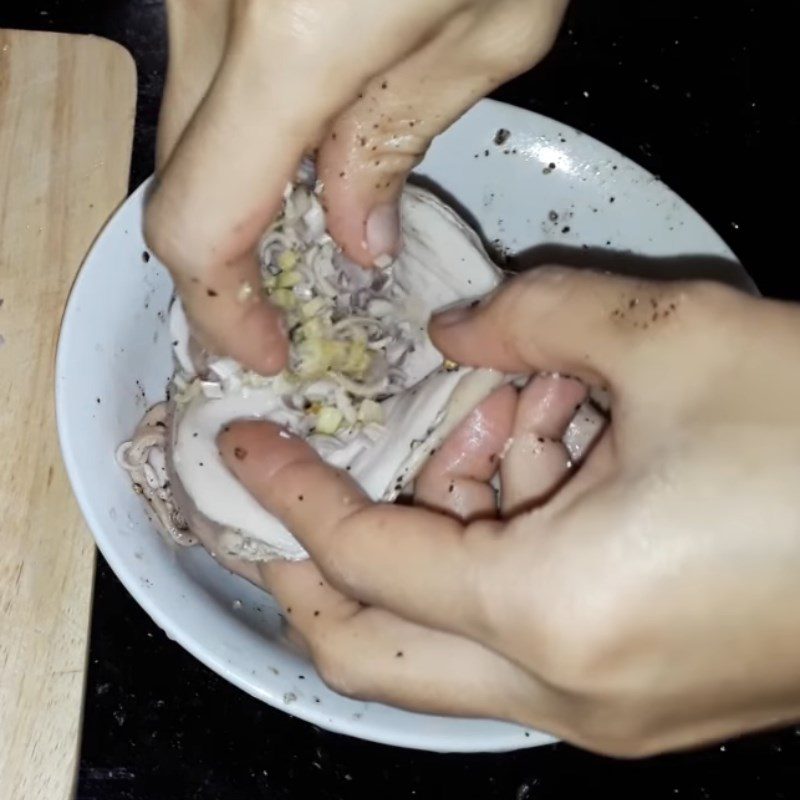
(672, 85)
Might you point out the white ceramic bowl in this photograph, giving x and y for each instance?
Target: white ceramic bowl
(545, 187)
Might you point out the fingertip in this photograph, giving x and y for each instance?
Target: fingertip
(382, 232)
(230, 317)
(259, 341)
(345, 214)
(266, 339)
(240, 440)
(367, 228)
(467, 334)
(456, 478)
(361, 194)
(254, 450)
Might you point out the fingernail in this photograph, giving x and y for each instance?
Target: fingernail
(455, 314)
(383, 231)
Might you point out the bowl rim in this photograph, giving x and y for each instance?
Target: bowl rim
(505, 737)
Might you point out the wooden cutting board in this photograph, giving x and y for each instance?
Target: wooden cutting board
(66, 124)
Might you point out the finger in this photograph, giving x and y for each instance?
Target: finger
(456, 479)
(217, 194)
(424, 566)
(223, 185)
(197, 30)
(210, 542)
(372, 147)
(225, 181)
(374, 655)
(555, 319)
(599, 469)
(536, 461)
(229, 315)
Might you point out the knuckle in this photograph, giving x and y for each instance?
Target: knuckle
(539, 293)
(522, 53)
(711, 316)
(520, 35)
(167, 238)
(390, 154)
(583, 645)
(341, 562)
(618, 733)
(335, 665)
(175, 233)
(709, 297)
(587, 657)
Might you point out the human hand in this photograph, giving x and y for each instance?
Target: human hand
(253, 85)
(647, 602)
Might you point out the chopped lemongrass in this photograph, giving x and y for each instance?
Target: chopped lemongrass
(338, 353)
(288, 260)
(284, 383)
(284, 298)
(313, 358)
(357, 359)
(312, 307)
(289, 279)
(329, 419)
(370, 411)
(344, 404)
(313, 329)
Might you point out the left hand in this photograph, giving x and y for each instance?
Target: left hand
(253, 85)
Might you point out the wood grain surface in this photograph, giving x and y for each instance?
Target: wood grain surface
(66, 119)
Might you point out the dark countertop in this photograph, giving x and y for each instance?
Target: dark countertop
(672, 85)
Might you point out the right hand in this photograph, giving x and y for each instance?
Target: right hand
(648, 602)
(253, 85)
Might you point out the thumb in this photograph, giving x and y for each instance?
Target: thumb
(598, 327)
(371, 148)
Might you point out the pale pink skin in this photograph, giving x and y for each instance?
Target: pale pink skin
(504, 430)
(253, 86)
(647, 601)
